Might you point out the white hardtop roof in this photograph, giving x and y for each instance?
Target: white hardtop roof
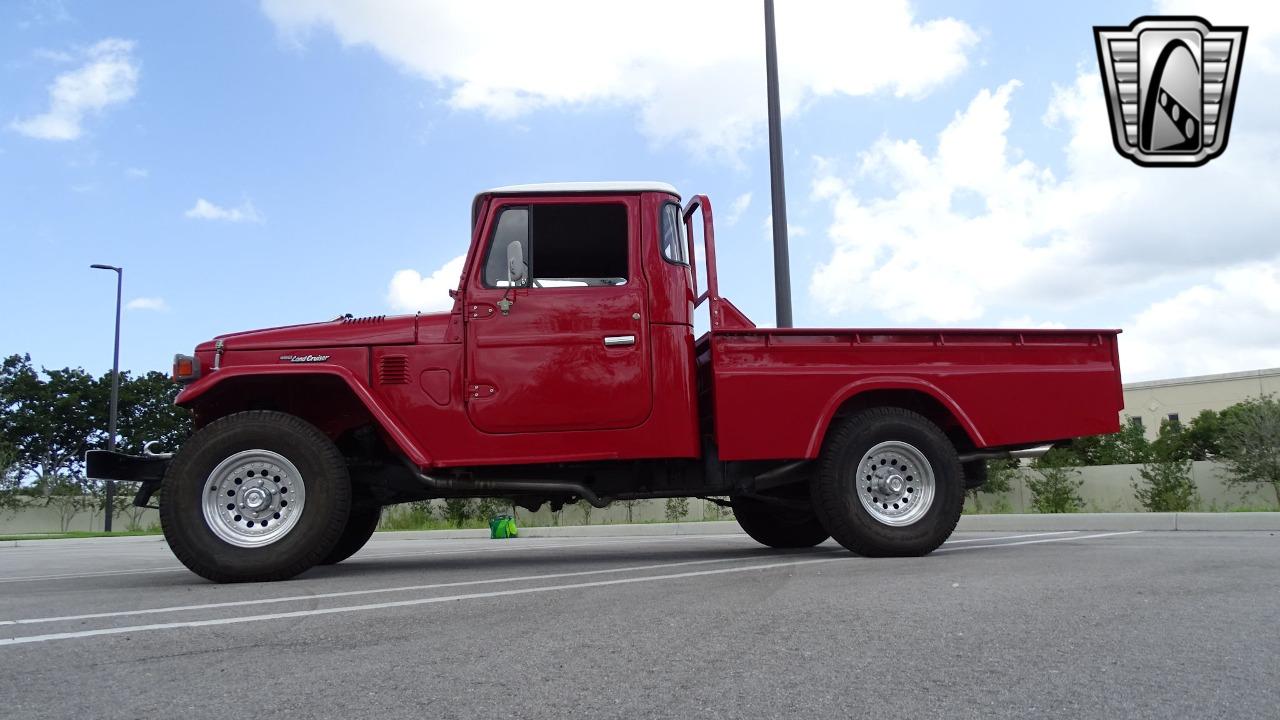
(588, 187)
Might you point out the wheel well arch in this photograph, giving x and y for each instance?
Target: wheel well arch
(332, 401)
(922, 399)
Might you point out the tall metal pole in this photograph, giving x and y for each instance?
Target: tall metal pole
(781, 254)
(115, 392)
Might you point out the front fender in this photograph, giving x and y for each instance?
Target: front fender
(390, 425)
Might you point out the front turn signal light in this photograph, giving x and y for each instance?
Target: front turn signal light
(185, 368)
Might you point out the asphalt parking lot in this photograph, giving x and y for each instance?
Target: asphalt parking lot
(1062, 624)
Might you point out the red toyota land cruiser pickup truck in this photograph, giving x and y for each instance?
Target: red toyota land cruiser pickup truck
(568, 369)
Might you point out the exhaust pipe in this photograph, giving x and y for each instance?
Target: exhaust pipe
(1030, 453)
(501, 486)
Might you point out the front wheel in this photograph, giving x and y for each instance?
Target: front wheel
(889, 483)
(255, 496)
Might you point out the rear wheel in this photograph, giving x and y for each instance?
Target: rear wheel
(255, 496)
(778, 525)
(889, 483)
(360, 527)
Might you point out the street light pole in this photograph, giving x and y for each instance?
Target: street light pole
(781, 253)
(115, 391)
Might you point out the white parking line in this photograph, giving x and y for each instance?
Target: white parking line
(491, 594)
(407, 603)
(1036, 542)
(415, 553)
(1010, 537)
(374, 591)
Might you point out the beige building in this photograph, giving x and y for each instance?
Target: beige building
(1181, 399)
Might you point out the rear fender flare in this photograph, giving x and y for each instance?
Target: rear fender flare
(909, 384)
(392, 426)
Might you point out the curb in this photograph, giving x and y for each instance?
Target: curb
(80, 542)
(1228, 521)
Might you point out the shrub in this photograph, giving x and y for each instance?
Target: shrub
(1054, 485)
(457, 511)
(1166, 486)
(999, 481)
(677, 509)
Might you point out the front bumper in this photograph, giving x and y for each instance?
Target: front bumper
(145, 469)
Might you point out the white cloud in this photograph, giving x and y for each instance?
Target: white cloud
(205, 210)
(410, 291)
(1025, 321)
(694, 70)
(965, 229)
(737, 208)
(137, 173)
(157, 304)
(108, 77)
(1229, 324)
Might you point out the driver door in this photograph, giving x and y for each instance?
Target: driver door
(560, 343)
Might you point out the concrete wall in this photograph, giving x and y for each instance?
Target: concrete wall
(1106, 488)
(1155, 400)
(38, 518)
(1109, 488)
(643, 511)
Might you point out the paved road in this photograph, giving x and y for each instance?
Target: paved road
(1070, 624)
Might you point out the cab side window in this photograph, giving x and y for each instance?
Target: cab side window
(674, 246)
(513, 225)
(562, 245)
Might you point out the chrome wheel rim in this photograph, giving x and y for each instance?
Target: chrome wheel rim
(895, 483)
(253, 498)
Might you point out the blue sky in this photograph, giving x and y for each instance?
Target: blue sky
(262, 164)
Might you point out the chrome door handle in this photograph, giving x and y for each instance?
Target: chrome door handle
(619, 340)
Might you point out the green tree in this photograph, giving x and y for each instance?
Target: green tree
(1128, 446)
(10, 499)
(1054, 484)
(630, 506)
(487, 508)
(49, 424)
(64, 494)
(585, 508)
(999, 480)
(1251, 444)
(147, 413)
(677, 509)
(457, 511)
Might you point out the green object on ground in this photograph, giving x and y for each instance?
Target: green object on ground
(502, 527)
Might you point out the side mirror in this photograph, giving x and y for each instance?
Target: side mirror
(516, 269)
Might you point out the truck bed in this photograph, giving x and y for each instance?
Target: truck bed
(775, 391)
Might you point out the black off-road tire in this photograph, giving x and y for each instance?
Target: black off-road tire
(975, 474)
(835, 487)
(778, 526)
(360, 526)
(318, 528)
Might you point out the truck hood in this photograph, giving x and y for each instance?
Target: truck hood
(343, 332)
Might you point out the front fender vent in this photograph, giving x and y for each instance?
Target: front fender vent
(393, 370)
